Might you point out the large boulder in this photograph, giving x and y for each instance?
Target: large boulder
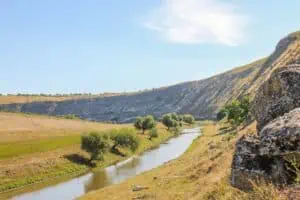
(278, 95)
(281, 135)
(267, 156)
(246, 162)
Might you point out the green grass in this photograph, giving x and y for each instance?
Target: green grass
(10, 186)
(9, 150)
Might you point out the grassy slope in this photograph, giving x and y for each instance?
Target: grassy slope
(201, 173)
(44, 149)
(27, 99)
(17, 127)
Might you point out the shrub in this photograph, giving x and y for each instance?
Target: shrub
(138, 124)
(189, 119)
(70, 116)
(145, 123)
(124, 138)
(236, 112)
(153, 133)
(168, 121)
(95, 144)
(175, 117)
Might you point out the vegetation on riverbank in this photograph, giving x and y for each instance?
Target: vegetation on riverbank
(201, 173)
(47, 159)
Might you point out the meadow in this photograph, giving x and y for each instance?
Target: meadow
(40, 150)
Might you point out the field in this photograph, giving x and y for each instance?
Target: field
(39, 150)
(23, 127)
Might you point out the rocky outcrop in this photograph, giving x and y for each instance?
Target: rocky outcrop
(278, 95)
(267, 156)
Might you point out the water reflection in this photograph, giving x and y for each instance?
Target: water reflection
(104, 178)
(98, 180)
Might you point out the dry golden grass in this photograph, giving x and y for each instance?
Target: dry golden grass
(201, 173)
(19, 127)
(27, 99)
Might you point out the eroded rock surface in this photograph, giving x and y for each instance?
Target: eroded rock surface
(276, 107)
(278, 95)
(268, 155)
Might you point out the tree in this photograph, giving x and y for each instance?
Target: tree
(153, 133)
(189, 119)
(175, 117)
(138, 124)
(124, 138)
(145, 123)
(169, 121)
(222, 114)
(236, 112)
(95, 144)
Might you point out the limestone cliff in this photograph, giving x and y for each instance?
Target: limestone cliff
(201, 98)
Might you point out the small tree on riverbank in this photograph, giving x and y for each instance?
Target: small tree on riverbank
(153, 133)
(124, 138)
(95, 144)
(189, 119)
(169, 121)
(145, 123)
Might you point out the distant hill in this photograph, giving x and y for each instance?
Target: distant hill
(202, 98)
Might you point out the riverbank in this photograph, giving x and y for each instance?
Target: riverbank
(201, 173)
(53, 162)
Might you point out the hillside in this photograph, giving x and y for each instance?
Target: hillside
(202, 98)
(21, 98)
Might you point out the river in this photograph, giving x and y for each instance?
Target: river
(114, 174)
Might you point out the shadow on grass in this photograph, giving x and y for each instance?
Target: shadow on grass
(117, 152)
(226, 130)
(79, 159)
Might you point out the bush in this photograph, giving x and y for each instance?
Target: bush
(236, 112)
(169, 120)
(95, 144)
(189, 119)
(70, 116)
(125, 138)
(175, 117)
(153, 133)
(145, 123)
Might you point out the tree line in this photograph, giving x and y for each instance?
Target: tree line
(97, 143)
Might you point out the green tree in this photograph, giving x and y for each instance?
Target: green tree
(125, 138)
(236, 112)
(138, 124)
(145, 123)
(153, 133)
(169, 121)
(95, 144)
(189, 119)
(175, 117)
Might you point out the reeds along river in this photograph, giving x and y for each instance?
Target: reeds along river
(116, 173)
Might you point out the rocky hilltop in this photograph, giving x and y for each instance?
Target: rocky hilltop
(201, 98)
(275, 150)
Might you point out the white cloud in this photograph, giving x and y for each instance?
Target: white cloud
(198, 21)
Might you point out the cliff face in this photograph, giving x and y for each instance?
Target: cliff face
(273, 154)
(201, 98)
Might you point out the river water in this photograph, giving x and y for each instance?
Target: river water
(114, 174)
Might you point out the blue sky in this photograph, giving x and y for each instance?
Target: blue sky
(64, 46)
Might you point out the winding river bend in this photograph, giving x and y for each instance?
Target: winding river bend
(116, 173)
